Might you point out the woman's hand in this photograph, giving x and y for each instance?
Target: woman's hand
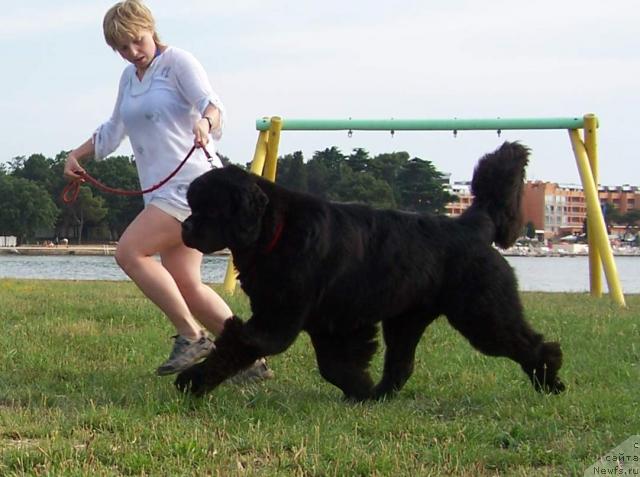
(72, 168)
(201, 132)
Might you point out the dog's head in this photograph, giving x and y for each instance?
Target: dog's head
(227, 206)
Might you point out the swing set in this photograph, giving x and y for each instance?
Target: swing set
(584, 146)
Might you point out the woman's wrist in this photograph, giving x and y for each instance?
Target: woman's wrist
(209, 121)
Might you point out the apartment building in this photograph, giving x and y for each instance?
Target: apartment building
(556, 209)
(462, 190)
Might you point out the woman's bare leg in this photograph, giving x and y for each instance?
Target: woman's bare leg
(184, 264)
(153, 232)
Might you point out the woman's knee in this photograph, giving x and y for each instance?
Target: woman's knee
(126, 256)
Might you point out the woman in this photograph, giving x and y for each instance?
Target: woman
(165, 105)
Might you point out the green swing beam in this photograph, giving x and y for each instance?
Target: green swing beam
(454, 124)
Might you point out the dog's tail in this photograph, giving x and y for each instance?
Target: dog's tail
(497, 188)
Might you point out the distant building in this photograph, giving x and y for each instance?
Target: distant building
(561, 209)
(557, 209)
(8, 241)
(462, 190)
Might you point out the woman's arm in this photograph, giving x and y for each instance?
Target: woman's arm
(193, 84)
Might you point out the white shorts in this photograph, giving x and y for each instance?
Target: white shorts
(178, 213)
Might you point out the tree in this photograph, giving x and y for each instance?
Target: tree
(26, 208)
(630, 218)
(530, 230)
(421, 187)
(358, 160)
(115, 171)
(611, 214)
(324, 171)
(16, 163)
(224, 159)
(119, 172)
(87, 210)
(37, 168)
(292, 172)
(387, 167)
(363, 188)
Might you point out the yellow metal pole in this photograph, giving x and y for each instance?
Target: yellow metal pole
(257, 166)
(594, 216)
(230, 279)
(271, 162)
(591, 145)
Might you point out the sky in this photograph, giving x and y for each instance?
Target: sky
(364, 59)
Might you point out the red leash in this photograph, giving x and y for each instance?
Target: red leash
(71, 191)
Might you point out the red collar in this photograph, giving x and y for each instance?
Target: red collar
(275, 239)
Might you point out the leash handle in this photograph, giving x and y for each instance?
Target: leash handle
(72, 189)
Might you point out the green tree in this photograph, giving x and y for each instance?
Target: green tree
(26, 208)
(387, 167)
(530, 230)
(88, 210)
(358, 160)
(292, 172)
(66, 218)
(48, 174)
(224, 159)
(363, 188)
(115, 171)
(611, 214)
(421, 187)
(631, 218)
(119, 172)
(38, 169)
(16, 163)
(324, 170)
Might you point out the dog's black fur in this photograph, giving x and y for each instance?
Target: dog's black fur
(336, 270)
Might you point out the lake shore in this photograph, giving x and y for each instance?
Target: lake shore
(81, 250)
(110, 249)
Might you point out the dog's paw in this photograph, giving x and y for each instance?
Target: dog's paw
(548, 384)
(193, 381)
(557, 387)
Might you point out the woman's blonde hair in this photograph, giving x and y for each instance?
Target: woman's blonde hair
(125, 20)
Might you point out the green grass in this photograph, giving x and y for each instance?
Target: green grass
(78, 397)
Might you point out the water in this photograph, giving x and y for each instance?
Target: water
(78, 267)
(570, 274)
(552, 274)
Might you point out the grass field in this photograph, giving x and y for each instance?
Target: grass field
(78, 397)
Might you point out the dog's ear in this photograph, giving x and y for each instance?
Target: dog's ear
(250, 203)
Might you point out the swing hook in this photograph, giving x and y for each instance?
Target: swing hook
(392, 133)
(455, 133)
(349, 133)
(499, 132)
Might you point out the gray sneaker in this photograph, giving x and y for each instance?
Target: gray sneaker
(258, 371)
(185, 353)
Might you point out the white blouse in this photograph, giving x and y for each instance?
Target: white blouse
(158, 113)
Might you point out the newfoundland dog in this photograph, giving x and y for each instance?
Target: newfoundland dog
(336, 270)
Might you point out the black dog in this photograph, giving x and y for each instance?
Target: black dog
(336, 270)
